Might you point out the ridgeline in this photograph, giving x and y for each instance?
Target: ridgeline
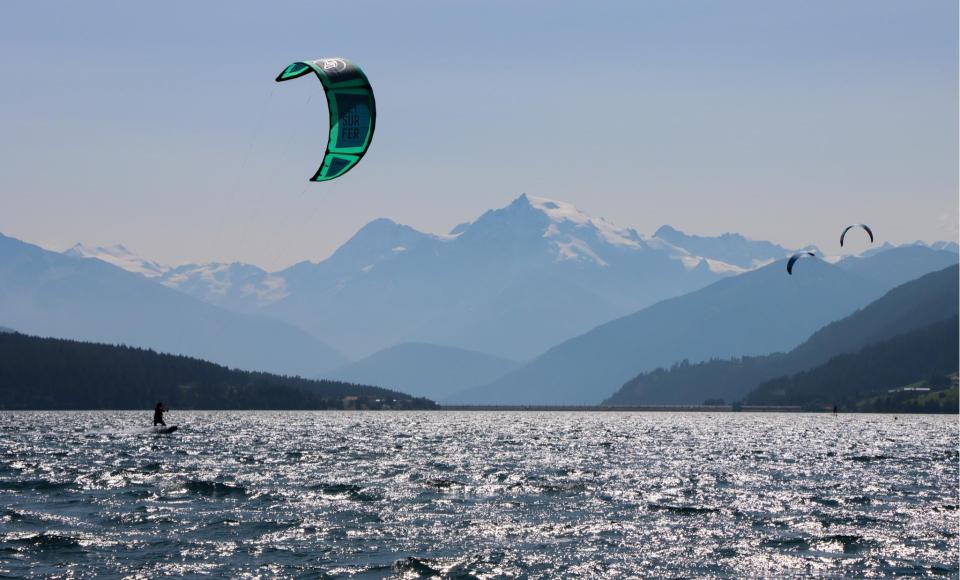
(909, 307)
(910, 373)
(49, 373)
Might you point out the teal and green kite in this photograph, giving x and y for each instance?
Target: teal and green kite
(353, 112)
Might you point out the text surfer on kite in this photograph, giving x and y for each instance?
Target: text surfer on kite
(353, 112)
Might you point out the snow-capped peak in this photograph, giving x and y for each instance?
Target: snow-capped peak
(121, 257)
(571, 244)
(561, 212)
(576, 236)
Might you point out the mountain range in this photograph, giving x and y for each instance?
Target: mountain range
(512, 283)
(900, 264)
(911, 306)
(51, 294)
(758, 312)
(439, 313)
(235, 286)
(728, 248)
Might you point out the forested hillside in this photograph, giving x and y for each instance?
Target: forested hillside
(47, 373)
(918, 303)
(851, 381)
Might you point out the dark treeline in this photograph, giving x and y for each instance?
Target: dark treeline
(863, 380)
(48, 373)
(714, 380)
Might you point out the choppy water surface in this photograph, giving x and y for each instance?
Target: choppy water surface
(485, 494)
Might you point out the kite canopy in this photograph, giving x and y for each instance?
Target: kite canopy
(353, 111)
(865, 227)
(793, 260)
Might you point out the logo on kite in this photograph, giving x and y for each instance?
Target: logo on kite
(353, 112)
(793, 260)
(329, 64)
(865, 227)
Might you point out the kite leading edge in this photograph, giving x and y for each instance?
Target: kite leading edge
(865, 227)
(793, 259)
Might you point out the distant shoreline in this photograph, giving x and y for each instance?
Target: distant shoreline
(507, 408)
(636, 408)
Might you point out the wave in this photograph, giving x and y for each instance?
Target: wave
(852, 544)
(342, 491)
(681, 509)
(215, 489)
(37, 485)
(792, 543)
(48, 541)
(444, 483)
(869, 458)
(415, 565)
(563, 487)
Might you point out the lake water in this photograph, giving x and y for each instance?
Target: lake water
(485, 494)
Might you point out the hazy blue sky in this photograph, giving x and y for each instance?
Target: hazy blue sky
(160, 126)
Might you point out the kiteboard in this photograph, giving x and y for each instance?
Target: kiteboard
(164, 430)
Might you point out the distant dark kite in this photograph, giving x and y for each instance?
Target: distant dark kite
(793, 260)
(865, 227)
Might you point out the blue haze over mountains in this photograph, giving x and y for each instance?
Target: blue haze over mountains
(512, 283)
(425, 370)
(506, 287)
(730, 248)
(897, 265)
(918, 303)
(49, 294)
(758, 312)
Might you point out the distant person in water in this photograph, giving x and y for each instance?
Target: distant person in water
(158, 412)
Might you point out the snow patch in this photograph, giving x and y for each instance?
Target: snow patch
(270, 289)
(119, 256)
(723, 267)
(576, 249)
(690, 262)
(561, 212)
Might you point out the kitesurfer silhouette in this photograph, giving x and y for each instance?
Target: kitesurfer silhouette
(158, 412)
